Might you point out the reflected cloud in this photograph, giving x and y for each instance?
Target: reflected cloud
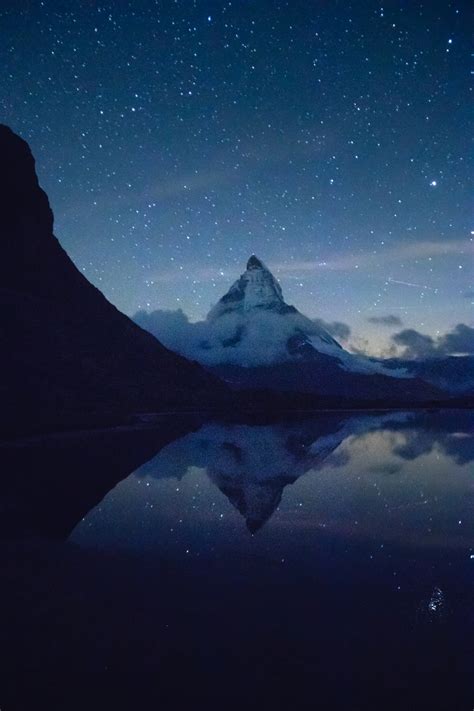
(459, 446)
(389, 468)
(47, 486)
(251, 465)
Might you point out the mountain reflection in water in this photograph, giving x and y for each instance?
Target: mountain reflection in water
(399, 476)
(326, 558)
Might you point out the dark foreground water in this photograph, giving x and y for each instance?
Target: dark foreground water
(323, 562)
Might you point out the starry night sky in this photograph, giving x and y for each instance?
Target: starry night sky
(175, 138)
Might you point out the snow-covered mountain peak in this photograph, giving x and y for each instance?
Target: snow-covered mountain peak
(252, 326)
(256, 288)
(255, 263)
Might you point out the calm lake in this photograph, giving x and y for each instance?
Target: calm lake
(327, 559)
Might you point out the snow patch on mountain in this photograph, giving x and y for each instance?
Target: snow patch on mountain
(256, 288)
(360, 425)
(258, 338)
(251, 326)
(360, 364)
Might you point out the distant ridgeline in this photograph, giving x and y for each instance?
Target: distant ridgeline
(253, 339)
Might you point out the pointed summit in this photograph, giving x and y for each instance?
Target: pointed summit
(254, 263)
(256, 288)
(252, 323)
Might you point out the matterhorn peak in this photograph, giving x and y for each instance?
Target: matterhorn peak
(252, 327)
(256, 288)
(252, 323)
(255, 263)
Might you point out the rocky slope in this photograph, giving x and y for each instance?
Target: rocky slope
(69, 356)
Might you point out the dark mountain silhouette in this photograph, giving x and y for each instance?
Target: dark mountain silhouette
(48, 484)
(322, 377)
(68, 356)
(453, 374)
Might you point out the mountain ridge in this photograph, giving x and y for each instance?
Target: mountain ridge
(257, 290)
(252, 339)
(71, 357)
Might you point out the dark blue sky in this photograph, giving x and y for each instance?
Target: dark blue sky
(330, 138)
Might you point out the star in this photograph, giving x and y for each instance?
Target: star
(306, 137)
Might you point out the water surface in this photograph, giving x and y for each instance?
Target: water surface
(329, 555)
(278, 489)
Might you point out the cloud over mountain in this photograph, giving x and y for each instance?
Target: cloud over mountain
(217, 341)
(418, 345)
(337, 329)
(389, 320)
(250, 325)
